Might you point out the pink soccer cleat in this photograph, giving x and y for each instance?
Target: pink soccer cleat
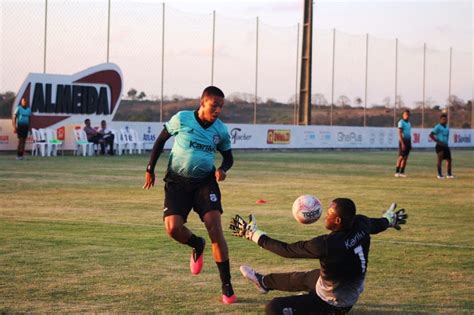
(228, 296)
(197, 259)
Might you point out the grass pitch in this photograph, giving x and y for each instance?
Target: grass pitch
(80, 235)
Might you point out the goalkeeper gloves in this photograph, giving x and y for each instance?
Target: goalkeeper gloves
(395, 218)
(241, 228)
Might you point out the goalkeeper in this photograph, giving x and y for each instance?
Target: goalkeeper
(343, 256)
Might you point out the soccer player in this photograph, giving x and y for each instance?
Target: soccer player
(440, 134)
(21, 126)
(343, 256)
(191, 180)
(404, 143)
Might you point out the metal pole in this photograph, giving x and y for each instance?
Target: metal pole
(256, 78)
(396, 85)
(45, 34)
(295, 110)
(108, 33)
(424, 85)
(449, 87)
(366, 77)
(213, 44)
(162, 61)
(333, 68)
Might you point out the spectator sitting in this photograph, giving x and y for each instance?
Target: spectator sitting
(92, 134)
(107, 137)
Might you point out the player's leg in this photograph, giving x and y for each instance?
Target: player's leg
(399, 160)
(302, 304)
(220, 253)
(21, 147)
(178, 203)
(439, 162)
(449, 163)
(292, 281)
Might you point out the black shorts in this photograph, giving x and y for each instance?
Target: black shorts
(183, 194)
(309, 303)
(443, 152)
(22, 131)
(407, 150)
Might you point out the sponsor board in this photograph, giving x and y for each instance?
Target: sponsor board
(66, 99)
(278, 136)
(236, 134)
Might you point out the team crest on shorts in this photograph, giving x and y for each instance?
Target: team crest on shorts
(216, 139)
(213, 197)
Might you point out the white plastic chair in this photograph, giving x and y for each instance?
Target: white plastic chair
(39, 144)
(128, 140)
(81, 142)
(119, 143)
(135, 140)
(53, 144)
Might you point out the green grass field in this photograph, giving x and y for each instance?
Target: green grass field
(80, 235)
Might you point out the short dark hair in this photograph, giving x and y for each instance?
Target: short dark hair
(212, 91)
(443, 115)
(87, 120)
(406, 111)
(346, 210)
(103, 122)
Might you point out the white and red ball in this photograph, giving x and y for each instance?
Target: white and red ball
(307, 209)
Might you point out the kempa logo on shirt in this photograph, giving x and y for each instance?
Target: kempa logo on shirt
(216, 139)
(213, 197)
(201, 147)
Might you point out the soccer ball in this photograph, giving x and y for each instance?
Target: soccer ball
(307, 209)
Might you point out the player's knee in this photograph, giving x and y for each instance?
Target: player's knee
(173, 231)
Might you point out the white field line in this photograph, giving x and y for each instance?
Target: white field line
(42, 219)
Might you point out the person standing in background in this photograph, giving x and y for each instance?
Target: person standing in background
(21, 126)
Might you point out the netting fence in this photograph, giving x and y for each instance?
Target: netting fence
(169, 54)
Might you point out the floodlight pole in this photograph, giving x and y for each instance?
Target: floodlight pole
(213, 44)
(396, 85)
(333, 71)
(108, 32)
(449, 86)
(45, 33)
(424, 86)
(295, 110)
(162, 61)
(256, 78)
(366, 77)
(304, 113)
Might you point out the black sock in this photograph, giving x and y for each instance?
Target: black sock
(260, 281)
(440, 173)
(402, 170)
(397, 170)
(195, 242)
(224, 271)
(449, 172)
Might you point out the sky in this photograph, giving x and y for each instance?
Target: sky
(77, 39)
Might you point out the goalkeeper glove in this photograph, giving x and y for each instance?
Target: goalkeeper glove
(241, 228)
(395, 218)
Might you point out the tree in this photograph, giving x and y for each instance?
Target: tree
(386, 101)
(141, 96)
(358, 101)
(343, 101)
(319, 99)
(132, 94)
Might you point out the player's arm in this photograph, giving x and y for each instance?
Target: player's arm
(400, 138)
(227, 162)
(155, 154)
(314, 248)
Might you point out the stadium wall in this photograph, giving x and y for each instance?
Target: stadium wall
(245, 136)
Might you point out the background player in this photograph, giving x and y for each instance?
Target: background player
(343, 256)
(21, 126)
(191, 180)
(404, 143)
(440, 134)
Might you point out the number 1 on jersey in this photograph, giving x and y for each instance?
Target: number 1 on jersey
(360, 252)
